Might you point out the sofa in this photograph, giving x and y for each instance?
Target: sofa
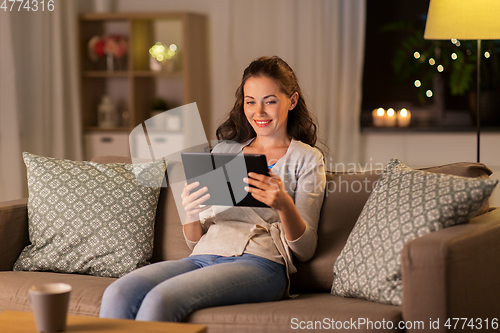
(450, 273)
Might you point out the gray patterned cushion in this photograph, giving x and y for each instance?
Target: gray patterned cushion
(91, 218)
(405, 204)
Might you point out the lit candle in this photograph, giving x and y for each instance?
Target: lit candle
(378, 117)
(390, 118)
(404, 118)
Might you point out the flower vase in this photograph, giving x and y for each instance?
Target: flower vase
(110, 62)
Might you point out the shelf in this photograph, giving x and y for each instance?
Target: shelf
(132, 16)
(133, 86)
(106, 74)
(450, 121)
(428, 129)
(156, 74)
(102, 129)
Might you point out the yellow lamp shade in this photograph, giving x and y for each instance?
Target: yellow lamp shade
(463, 19)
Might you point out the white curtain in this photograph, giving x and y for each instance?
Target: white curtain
(39, 91)
(11, 169)
(323, 41)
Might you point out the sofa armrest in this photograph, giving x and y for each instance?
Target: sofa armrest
(454, 272)
(13, 231)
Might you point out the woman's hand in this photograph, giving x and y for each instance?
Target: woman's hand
(192, 201)
(269, 190)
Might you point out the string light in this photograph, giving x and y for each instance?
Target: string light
(428, 93)
(160, 52)
(440, 68)
(454, 56)
(417, 83)
(416, 55)
(487, 54)
(432, 62)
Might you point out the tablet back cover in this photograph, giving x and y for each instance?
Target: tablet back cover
(199, 167)
(223, 175)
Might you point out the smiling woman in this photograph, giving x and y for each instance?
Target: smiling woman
(241, 254)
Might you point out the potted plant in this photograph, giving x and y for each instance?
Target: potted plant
(159, 104)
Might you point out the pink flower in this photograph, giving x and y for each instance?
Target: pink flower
(99, 48)
(111, 44)
(95, 48)
(122, 47)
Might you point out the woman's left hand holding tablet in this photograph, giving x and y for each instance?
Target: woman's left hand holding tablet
(268, 189)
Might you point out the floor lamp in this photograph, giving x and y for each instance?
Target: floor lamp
(465, 19)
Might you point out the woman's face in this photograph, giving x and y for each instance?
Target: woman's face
(266, 107)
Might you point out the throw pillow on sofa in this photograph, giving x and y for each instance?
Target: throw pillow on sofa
(90, 218)
(405, 204)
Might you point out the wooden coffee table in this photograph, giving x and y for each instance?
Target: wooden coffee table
(23, 322)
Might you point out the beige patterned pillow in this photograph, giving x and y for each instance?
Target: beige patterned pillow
(405, 204)
(91, 218)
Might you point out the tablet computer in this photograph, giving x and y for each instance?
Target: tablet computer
(223, 175)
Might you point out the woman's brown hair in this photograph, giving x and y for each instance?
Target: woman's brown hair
(301, 124)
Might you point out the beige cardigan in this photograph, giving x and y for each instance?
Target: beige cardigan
(232, 231)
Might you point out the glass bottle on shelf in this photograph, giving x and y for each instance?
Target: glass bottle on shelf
(107, 117)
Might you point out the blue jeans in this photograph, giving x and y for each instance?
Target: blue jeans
(171, 290)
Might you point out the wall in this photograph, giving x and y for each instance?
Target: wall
(429, 149)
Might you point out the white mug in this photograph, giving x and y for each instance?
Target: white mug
(50, 305)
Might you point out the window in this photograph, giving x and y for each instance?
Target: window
(383, 88)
